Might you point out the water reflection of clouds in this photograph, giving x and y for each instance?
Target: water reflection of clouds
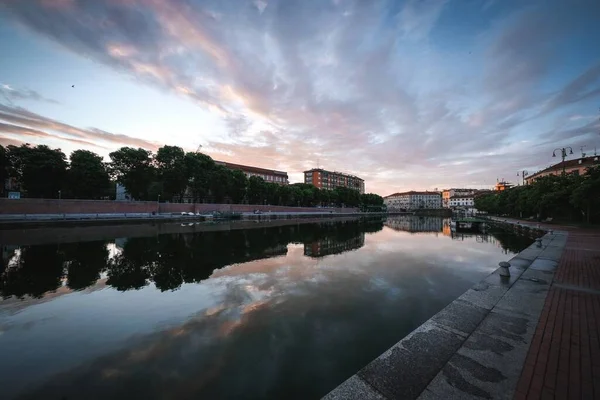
(250, 325)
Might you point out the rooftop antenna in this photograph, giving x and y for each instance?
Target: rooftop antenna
(582, 153)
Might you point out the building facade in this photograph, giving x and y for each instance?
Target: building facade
(268, 175)
(330, 180)
(121, 193)
(408, 201)
(463, 201)
(577, 167)
(448, 193)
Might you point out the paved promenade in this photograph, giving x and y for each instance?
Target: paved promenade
(563, 361)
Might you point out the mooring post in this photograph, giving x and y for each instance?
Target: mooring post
(538, 242)
(504, 268)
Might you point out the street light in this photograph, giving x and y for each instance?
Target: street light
(563, 153)
(523, 174)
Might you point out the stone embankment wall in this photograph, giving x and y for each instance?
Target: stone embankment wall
(68, 206)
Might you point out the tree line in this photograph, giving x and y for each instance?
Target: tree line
(170, 174)
(574, 198)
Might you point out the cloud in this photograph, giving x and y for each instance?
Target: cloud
(36, 134)
(365, 87)
(23, 123)
(418, 17)
(12, 94)
(5, 141)
(585, 86)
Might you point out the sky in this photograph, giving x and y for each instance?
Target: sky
(408, 95)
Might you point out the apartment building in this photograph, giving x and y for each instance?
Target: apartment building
(448, 193)
(269, 175)
(330, 180)
(413, 201)
(463, 201)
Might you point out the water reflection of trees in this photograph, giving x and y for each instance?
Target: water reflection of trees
(166, 260)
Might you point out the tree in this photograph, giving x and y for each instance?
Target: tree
(347, 197)
(256, 190)
(239, 185)
(221, 182)
(198, 169)
(40, 170)
(133, 169)
(566, 197)
(172, 173)
(4, 169)
(88, 176)
(586, 196)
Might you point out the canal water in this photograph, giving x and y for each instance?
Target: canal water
(208, 311)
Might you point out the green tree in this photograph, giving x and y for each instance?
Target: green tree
(4, 169)
(256, 190)
(285, 195)
(586, 197)
(221, 183)
(199, 168)
(238, 187)
(40, 170)
(133, 169)
(87, 176)
(172, 172)
(347, 197)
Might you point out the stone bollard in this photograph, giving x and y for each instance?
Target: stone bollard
(504, 271)
(538, 242)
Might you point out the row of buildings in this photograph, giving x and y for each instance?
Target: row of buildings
(435, 200)
(318, 177)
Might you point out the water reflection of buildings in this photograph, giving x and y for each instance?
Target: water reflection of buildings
(328, 246)
(278, 250)
(415, 224)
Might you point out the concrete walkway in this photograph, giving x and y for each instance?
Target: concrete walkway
(475, 347)
(563, 361)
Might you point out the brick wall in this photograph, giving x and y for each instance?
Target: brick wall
(55, 206)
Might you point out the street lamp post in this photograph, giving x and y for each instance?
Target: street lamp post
(523, 174)
(563, 153)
